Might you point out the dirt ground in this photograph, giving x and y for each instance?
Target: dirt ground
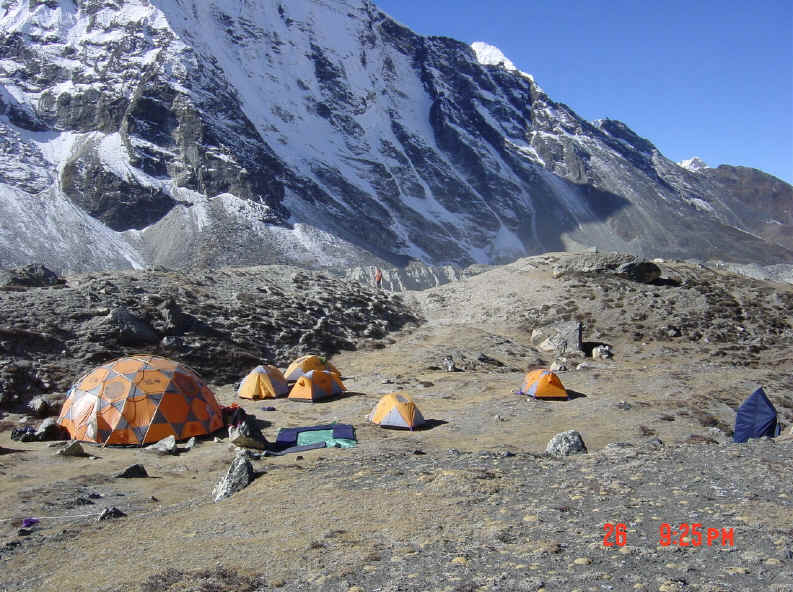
(470, 503)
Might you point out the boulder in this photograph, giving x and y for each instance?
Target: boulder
(564, 337)
(175, 322)
(111, 512)
(50, 430)
(237, 478)
(246, 435)
(591, 263)
(34, 275)
(164, 446)
(40, 406)
(125, 327)
(601, 352)
(559, 365)
(566, 443)
(132, 472)
(622, 264)
(645, 272)
(73, 448)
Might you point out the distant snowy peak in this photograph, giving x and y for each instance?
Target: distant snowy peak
(693, 164)
(490, 55)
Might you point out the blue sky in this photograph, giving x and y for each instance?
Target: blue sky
(704, 78)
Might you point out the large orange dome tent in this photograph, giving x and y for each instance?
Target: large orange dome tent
(138, 400)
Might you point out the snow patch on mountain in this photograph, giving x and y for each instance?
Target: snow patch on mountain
(490, 55)
(59, 233)
(693, 164)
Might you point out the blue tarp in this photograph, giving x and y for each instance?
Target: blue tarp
(756, 418)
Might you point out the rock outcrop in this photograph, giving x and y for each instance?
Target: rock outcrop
(221, 322)
(238, 476)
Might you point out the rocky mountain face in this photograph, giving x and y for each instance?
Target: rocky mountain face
(324, 134)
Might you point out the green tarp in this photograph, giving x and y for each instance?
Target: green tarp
(310, 437)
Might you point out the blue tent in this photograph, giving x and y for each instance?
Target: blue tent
(756, 418)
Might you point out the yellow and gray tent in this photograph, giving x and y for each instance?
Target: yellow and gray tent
(263, 382)
(316, 385)
(305, 364)
(397, 410)
(543, 384)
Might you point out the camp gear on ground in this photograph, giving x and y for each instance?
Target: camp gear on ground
(543, 384)
(263, 382)
(316, 385)
(756, 418)
(335, 435)
(305, 364)
(397, 410)
(139, 400)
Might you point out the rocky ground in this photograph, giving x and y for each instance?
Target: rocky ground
(471, 502)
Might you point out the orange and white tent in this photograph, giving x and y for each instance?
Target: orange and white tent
(138, 400)
(543, 384)
(263, 382)
(316, 385)
(397, 410)
(305, 364)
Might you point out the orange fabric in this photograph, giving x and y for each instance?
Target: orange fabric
(543, 384)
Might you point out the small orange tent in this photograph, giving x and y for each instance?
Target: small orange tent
(263, 382)
(316, 385)
(305, 364)
(138, 400)
(397, 410)
(543, 384)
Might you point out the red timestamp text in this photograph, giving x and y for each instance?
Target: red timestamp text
(695, 535)
(615, 534)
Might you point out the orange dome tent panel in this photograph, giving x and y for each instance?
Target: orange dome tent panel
(139, 400)
(263, 382)
(316, 385)
(397, 410)
(305, 364)
(543, 384)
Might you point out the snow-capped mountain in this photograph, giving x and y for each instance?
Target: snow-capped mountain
(693, 164)
(322, 133)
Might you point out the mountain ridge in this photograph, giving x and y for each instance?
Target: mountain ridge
(320, 134)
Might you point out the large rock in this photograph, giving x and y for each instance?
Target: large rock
(591, 263)
(50, 430)
(165, 446)
(137, 471)
(622, 264)
(560, 338)
(645, 272)
(73, 448)
(29, 276)
(125, 327)
(237, 478)
(566, 443)
(247, 435)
